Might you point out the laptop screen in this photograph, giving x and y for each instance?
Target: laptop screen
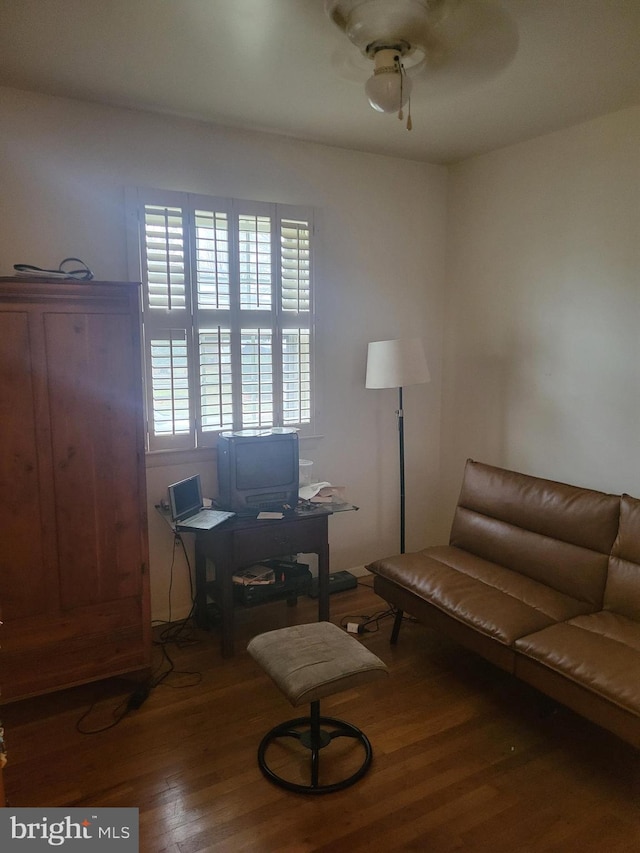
(185, 498)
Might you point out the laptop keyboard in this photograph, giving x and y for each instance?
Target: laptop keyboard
(208, 517)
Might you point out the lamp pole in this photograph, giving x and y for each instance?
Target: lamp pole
(400, 414)
(395, 364)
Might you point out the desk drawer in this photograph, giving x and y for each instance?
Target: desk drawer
(278, 538)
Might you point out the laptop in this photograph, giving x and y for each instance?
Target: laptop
(187, 507)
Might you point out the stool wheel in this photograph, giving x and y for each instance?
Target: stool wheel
(308, 731)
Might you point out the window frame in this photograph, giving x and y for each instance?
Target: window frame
(195, 319)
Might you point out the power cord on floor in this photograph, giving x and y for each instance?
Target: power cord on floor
(179, 633)
(142, 691)
(370, 624)
(366, 624)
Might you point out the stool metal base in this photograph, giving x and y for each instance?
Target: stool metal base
(308, 731)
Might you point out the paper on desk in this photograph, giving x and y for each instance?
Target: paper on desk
(308, 492)
(323, 493)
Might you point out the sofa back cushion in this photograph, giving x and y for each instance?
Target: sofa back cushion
(622, 592)
(556, 534)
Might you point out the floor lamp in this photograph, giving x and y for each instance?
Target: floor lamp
(394, 364)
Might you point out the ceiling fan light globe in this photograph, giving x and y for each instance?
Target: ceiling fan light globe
(388, 91)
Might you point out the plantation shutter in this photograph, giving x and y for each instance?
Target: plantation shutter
(227, 316)
(295, 264)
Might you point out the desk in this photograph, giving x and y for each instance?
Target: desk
(241, 541)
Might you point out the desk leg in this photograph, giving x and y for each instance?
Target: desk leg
(225, 585)
(323, 583)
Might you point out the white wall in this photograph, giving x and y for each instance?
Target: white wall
(541, 309)
(380, 267)
(542, 353)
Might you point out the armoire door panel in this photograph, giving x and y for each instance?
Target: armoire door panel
(23, 567)
(93, 441)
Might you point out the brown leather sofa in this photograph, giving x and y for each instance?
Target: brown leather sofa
(543, 580)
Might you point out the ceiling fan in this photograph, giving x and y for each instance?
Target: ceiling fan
(446, 43)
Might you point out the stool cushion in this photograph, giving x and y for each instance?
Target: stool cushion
(310, 661)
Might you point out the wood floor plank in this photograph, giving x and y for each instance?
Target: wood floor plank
(465, 757)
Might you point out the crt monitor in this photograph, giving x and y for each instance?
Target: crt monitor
(258, 470)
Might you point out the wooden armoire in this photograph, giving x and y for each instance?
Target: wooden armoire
(74, 583)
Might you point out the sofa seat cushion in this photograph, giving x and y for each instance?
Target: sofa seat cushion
(599, 651)
(498, 602)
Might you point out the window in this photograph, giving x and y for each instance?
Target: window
(227, 315)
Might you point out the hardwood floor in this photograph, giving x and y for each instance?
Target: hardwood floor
(465, 757)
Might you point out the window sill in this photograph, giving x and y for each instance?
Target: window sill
(166, 458)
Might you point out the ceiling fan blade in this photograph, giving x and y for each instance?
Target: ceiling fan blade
(480, 35)
(460, 42)
(365, 22)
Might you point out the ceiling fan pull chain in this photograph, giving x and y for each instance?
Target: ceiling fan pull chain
(400, 114)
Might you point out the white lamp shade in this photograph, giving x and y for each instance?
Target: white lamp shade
(394, 364)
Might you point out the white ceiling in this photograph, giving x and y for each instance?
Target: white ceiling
(270, 65)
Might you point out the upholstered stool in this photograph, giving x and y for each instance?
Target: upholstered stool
(307, 663)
